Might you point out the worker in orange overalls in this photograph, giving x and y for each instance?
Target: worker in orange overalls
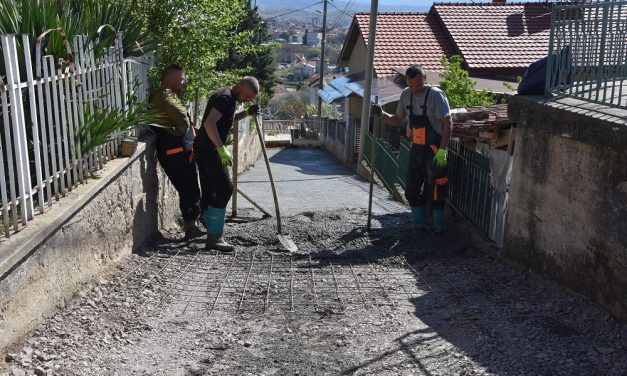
(175, 141)
(429, 128)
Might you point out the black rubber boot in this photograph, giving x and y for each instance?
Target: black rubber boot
(192, 230)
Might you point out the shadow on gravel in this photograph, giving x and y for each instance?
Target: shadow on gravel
(405, 344)
(507, 320)
(475, 315)
(483, 316)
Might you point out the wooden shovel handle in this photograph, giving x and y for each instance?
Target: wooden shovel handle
(265, 157)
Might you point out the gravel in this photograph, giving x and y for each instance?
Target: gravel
(463, 313)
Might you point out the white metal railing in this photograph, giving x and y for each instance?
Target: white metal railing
(311, 128)
(41, 112)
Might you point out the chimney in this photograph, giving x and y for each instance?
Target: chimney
(499, 1)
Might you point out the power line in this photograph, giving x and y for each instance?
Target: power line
(342, 11)
(294, 11)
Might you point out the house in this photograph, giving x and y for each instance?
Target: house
(316, 63)
(312, 38)
(496, 40)
(402, 39)
(296, 39)
(303, 70)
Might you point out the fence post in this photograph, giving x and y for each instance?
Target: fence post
(3, 179)
(19, 127)
(33, 113)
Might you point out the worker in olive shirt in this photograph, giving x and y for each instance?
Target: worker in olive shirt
(213, 157)
(429, 129)
(175, 140)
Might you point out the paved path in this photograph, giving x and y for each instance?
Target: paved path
(310, 180)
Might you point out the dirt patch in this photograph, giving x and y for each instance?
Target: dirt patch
(349, 302)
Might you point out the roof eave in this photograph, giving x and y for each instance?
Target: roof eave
(351, 39)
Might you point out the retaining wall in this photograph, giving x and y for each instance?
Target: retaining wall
(90, 231)
(567, 214)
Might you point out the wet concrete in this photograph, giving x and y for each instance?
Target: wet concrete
(310, 180)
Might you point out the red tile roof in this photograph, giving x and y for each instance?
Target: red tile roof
(402, 39)
(488, 35)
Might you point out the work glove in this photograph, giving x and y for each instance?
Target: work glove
(229, 140)
(440, 158)
(378, 111)
(225, 156)
(253, 110)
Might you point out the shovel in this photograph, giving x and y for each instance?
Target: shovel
(285, 240)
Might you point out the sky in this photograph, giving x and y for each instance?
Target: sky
(361, 4)
(357, 5)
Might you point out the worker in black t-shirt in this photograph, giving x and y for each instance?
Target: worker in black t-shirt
(213, 157)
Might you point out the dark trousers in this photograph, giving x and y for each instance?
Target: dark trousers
(426, 182)
(215, 182)
(182, 173)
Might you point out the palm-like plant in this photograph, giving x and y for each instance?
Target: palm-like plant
(75, 17)
(100, 124)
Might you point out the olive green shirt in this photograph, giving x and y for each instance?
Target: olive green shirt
(172, 112)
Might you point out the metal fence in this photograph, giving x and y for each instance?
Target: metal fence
(470, 191)
(300, 128)
(588, 52)
(42, 110)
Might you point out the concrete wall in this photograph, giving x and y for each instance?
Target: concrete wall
(358, 56)
(249, 150)
(342, 151)
(86, 234)
(567, 215)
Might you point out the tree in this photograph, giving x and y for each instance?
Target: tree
(289, 106)
(329, 111)
(197, 35)
(459, 88)
(256, 60)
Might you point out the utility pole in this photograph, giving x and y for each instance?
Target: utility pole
(322, 42)
(365, 109)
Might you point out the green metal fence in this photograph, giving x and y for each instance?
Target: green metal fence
(470, 191)
(588, 52)
(385, 163)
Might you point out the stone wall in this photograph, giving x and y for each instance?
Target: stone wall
(567, 214)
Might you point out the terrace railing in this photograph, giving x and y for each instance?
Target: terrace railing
(588, 52)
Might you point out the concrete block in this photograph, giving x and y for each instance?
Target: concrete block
(128, 146)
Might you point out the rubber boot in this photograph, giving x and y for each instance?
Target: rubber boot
(215, 241)
(438, 221)
(214, 222)
(419, 217)
(192, 230)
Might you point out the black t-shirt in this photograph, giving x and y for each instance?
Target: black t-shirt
(225, 101)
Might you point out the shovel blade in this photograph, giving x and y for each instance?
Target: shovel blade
(287, 243)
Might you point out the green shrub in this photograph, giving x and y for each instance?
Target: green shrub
(460, 88)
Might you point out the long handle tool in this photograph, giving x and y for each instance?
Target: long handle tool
(285, 240)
